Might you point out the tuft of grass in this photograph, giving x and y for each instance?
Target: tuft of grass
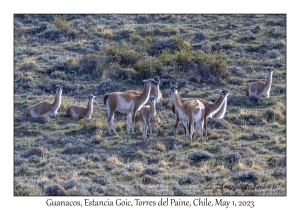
(60, 22)
(184, 165)
(108, 34)
(163, 164)
(114, 159)
(160, 147)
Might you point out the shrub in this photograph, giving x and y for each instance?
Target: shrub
(60, 22)
(147, 68)
(214, 64)
(108, 34)
(58, 74)
(37, 151)
(160, 147)
(55, 190)
(251, 118)
(29, 65)
(142, 19)
(122, 55)
(278, 90)
(123, 34)
(174, 43)
(199, 36)
(273, 115)
(199, 155)
(115, 190)
(74, 150)
(69, 184)
(232, 159)
(151, 170)
(237, 71)
(43, 119)
(52, 34)
(235, 81)
(252, 176)
(101, 179)
(218, 124)
(147, 179)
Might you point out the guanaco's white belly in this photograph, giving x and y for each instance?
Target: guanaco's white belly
(124, 106)
(33, 114)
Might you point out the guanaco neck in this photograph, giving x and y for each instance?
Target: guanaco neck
(90, 105)
(143, 98)
(152, 109)
(157, 92)
(214, 108)
(269, 80)
(177, 101)
(57, 101)
(221, 111)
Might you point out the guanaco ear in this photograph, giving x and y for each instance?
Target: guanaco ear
(145, 80)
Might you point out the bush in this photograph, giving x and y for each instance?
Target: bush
(237, 71)
(147, 179)
(219, 124)
(147, 68)
(73, 150)
(151, 170)
(232, 159)
(199, 36)
(273, 115)
(123, 34)
(235, 81)
(142, 19)
(214, 64)
(101, 179)
(55, 190)
(122, 55)
(173, 44)
(52, 34)
(34, 151)
(252, 176)
(108, 34)
(43, 119)
(60, 22)
(199, 155)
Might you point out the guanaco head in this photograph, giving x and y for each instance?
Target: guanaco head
(58, 89)
(150, 82)
(91, 97)
(270, 70)
(152, 98)
(224, 93)
(156, 79)
(173, 88)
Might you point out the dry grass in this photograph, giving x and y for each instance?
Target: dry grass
(114, 159)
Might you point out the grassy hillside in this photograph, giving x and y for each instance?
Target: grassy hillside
(97, 54)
